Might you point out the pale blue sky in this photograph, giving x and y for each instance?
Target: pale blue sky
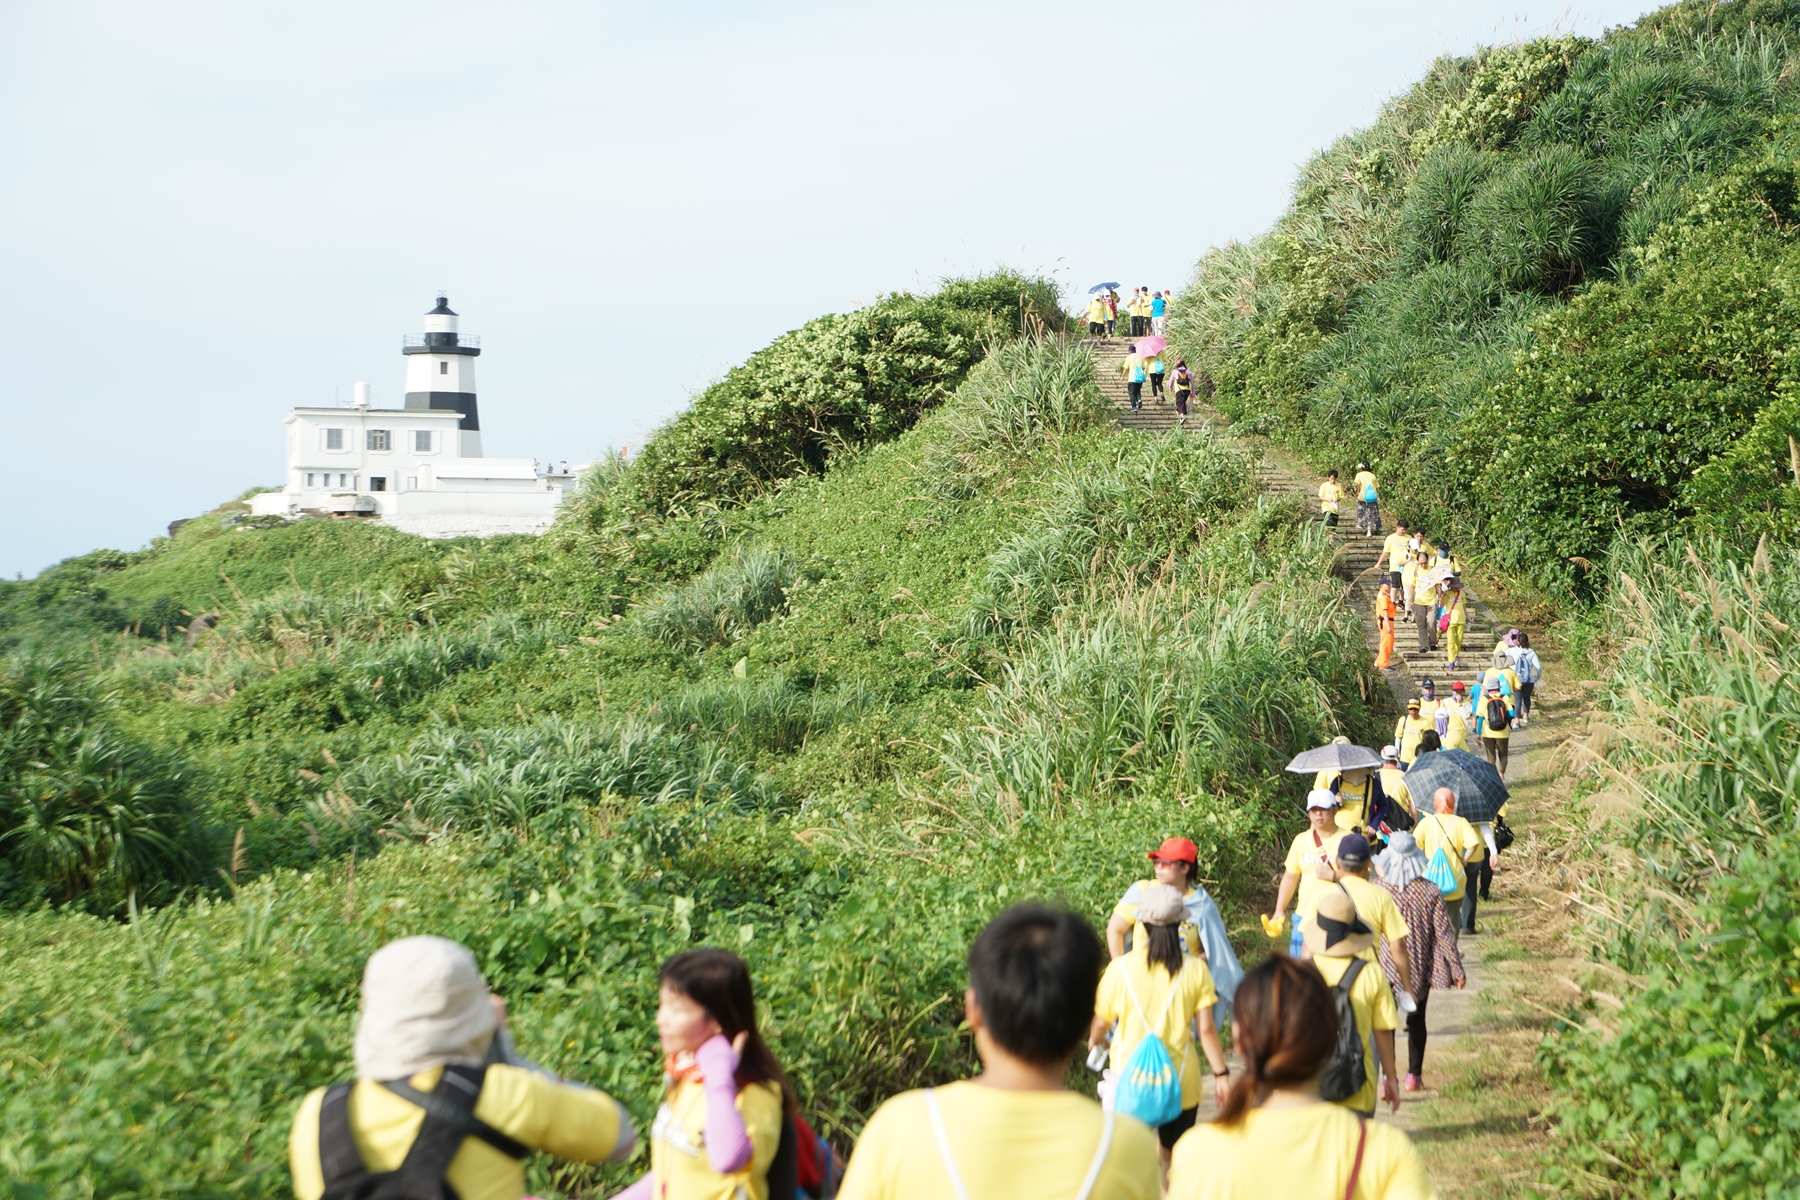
(217, 211)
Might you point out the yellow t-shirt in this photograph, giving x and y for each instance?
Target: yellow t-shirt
(1354, 811)
(1394, 551)
(1374, 904)
(1461, 842)
(678, 1144)
(1424, 594)
(1304, 857)
(1409, 574)
(1364, 479)
(1393, 782)
(1127, 908)
(1407, 732)
(1459, 611)
(1004, 1143)
(1329, 495)
(1301, 1153)
(1456, 727)
(572, 1123)
(1373, 1003)
(1170, 1005)
(1096, 312)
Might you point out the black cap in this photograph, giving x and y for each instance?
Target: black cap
(1352, 850)
(1427, 683)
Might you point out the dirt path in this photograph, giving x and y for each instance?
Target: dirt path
(1477, 1120)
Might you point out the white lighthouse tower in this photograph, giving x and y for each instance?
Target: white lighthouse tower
(440, 373)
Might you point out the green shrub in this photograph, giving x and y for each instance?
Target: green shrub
(86, 814)
(834, 384)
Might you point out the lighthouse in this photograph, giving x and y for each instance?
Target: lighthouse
(440, 373)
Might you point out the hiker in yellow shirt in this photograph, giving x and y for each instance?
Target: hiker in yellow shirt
(1015, 1129)
(1460, 843)
(426, 1026)
(1310, 859)
(1330, 498)
(1156, 990)
(1335, 940)
(1455, 735)
(1376, 906)
(1424, 606)
(1393, 780)
(1452, 603)
(1394, 555)
(1409, 729)
(1096, 317)
(1274, 1138)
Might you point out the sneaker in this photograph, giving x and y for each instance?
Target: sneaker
(1413, 1083)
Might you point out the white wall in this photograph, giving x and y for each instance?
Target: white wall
(423, 373)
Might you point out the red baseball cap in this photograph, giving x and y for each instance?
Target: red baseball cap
(1177, 850)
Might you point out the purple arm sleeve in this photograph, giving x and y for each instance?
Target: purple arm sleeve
(643, 1189)
(728, 1146)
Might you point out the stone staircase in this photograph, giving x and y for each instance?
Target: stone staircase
(1156, 415)
(1357, 556)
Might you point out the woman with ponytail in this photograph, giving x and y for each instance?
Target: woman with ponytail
(726, 1103)
(1274, 1135)
(1154, 989)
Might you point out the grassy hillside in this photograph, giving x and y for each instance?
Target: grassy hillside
(1550, 295)
(836, 721)
(1546, 294)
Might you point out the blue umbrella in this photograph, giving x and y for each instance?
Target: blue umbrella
(1479, 789)
(1103, 287)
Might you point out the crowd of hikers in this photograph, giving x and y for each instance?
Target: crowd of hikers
(1381, 886)
(443, 1104)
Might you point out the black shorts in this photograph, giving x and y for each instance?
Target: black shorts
(1170, 1132)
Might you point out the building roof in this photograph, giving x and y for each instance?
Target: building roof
(485, 468)
(443, 308)
(408, 413)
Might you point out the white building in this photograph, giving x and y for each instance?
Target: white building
(419, 467)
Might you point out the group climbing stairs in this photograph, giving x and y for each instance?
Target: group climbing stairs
(1357, 559)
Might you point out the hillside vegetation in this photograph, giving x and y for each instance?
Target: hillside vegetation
(988, 649)
(1550, 294)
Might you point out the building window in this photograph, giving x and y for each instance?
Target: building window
(444, 367)
(343, 479)
(378, 483)
(334, 439)
(422, 441)
(378, 439)
(412, 483)
(309, 478)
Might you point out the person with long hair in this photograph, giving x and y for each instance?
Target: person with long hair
(1274, 1135)
(1156, 977)
(726, 1102)
(1015, 1129)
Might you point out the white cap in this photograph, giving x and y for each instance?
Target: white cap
(1390, 752)
(1322, 798)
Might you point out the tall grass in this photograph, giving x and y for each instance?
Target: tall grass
(723, 603)
(1698, 753)
(1166, 690)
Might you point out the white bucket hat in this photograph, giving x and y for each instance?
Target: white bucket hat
(424, 1005)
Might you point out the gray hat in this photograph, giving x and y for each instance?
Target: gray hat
(1161, 905)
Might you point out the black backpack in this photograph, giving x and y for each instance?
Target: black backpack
(1497, 716)
(1345, 1073)
(449, 1118)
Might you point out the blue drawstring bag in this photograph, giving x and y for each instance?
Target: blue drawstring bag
(1149, 1086)
(1443, 876)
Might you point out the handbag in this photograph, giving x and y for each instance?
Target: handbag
(1503, 834)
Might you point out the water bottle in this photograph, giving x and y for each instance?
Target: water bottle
(1296, 941)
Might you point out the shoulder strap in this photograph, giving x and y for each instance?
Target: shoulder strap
(943, 1145)
(452, 1105)
(1093, 1172)
(1125, 974)
(1348, 979)
(1362, 1138)
(339, 1163)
